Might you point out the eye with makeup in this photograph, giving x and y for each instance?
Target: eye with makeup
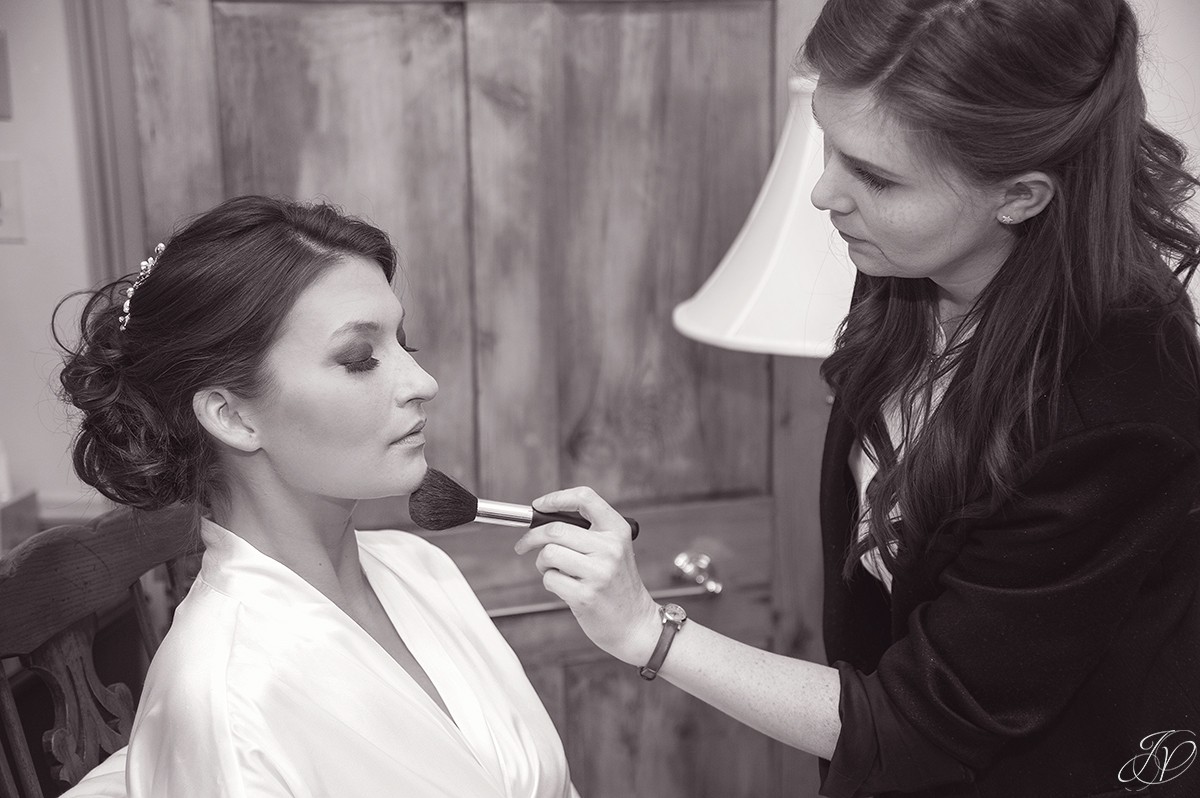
(360, 360)
(871, 180)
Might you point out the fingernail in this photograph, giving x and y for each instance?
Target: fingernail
(556, 531)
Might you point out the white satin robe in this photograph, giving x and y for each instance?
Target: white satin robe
(263, 687)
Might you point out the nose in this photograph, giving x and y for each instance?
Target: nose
(414, 384)
(829, 193)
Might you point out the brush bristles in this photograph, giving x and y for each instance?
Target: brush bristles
(441, 503)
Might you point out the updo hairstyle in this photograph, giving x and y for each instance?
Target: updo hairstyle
(205, 316)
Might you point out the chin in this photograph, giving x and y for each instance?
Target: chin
(870, 265)
(378, 478)
(403, 481)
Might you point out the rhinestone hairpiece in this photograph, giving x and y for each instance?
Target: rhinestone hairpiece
(143, 272)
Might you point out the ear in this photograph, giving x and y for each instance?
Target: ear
(224, 416)
(1025, 196)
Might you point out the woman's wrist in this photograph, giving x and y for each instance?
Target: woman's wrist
(642, 636)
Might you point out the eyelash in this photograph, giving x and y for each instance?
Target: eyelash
(872, 181)
(359, 366)
(369, 363)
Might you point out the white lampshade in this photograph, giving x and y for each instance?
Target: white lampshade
(784, 285)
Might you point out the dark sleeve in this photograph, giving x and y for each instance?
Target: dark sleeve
(1026, 611)
(878, 748)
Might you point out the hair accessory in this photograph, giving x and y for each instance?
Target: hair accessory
(143, 272)
(1006, 219)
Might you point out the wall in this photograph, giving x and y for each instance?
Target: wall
(1171, 68)
(52, 260)
(1171, 74)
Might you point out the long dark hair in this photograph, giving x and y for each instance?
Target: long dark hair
(996, 88)
(206, 316)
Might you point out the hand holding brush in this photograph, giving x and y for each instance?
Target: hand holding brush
(441, 503)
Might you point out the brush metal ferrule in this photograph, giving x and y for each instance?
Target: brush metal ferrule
(503, 513)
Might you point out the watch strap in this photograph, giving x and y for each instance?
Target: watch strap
(669, 629)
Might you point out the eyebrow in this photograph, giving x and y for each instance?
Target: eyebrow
(860, 163)
(360, 327)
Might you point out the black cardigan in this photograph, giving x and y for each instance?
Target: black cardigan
(1029, 654)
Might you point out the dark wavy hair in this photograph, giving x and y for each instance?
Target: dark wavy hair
(995, 88)
(206, 316)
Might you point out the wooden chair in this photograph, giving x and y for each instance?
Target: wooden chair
(56, 590)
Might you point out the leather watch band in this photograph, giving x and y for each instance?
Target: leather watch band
(673, 617)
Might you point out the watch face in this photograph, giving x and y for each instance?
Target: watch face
(674, 613)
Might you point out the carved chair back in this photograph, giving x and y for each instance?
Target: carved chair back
(55, 588)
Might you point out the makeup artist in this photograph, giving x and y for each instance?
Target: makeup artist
(1011, 476)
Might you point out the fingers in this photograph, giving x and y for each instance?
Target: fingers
(567, 588)
(566, 561)
(566, 535)
(579, 593)
(593, 571)
(577, 553)
(587, 503)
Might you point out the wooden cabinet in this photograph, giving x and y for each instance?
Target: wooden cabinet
(556, 177)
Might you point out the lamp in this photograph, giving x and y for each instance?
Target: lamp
(784, 285)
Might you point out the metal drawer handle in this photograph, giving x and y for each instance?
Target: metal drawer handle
(698, 569)
(689, 567)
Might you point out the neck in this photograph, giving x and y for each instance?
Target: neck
(953, 303)
(311, 535)
(958, 290)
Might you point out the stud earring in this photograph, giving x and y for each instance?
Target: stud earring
(1006, 219)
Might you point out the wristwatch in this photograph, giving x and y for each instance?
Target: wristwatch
(673, 617)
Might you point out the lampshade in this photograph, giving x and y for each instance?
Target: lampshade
(784, 285)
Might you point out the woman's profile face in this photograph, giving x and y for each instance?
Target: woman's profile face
(901, 215)
(344, 415)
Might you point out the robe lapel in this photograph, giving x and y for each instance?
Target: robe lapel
(358, 683)
(402, 596)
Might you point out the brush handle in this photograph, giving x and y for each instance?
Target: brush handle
(540, 518)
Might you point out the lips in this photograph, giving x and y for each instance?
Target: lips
(416, 428)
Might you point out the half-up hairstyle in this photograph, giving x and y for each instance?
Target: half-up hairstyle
(205, 316)
(995, 88)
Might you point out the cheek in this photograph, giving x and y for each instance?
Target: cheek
(914, 226)
(324, 416)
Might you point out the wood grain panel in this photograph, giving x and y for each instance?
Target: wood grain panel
(628, 737)
(793, 20)
(645, 136)
(176, 111)
(102, 75)
(555, 638)
(517, 146)
(801, 413)
(736, 534)
(550, 683)
(364, 105)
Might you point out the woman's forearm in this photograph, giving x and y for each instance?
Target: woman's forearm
(791, 700)
(595, 572)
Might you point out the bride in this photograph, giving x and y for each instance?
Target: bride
(257, 369)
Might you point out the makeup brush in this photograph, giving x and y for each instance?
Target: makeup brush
(440, 503)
